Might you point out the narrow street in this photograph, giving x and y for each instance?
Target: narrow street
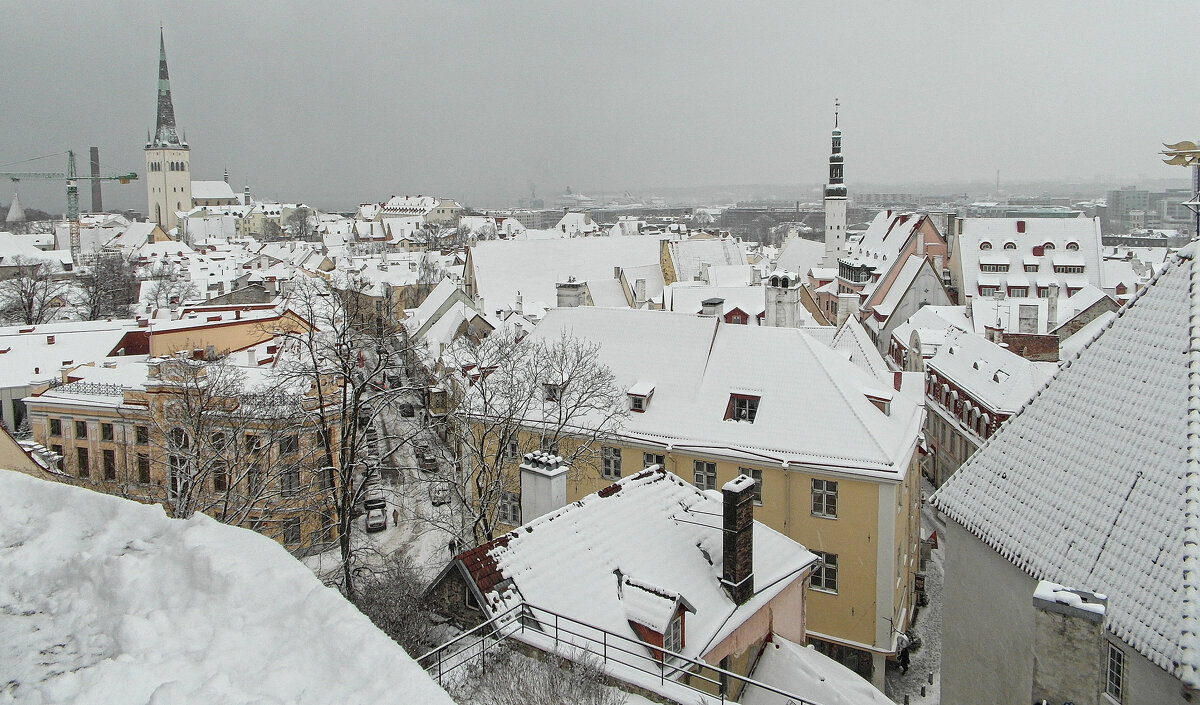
(925, 663)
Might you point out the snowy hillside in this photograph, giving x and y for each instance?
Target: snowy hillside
(104, 600)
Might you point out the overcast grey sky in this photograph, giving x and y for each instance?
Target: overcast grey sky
(336, 103)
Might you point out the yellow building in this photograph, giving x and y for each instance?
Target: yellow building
(220, 439)
(832, 447)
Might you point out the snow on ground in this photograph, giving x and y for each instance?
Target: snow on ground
(928, 658)
(805, 672)
(104, 600)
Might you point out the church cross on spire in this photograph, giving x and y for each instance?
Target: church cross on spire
(165, 132)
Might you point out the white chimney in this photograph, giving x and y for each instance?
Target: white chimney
(543, 484)
(639, 292)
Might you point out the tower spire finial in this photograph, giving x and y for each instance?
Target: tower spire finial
(836, 105)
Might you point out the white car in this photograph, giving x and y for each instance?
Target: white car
(376, 520)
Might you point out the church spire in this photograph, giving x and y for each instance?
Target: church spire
(835, 200)
(165, 132)
(836, 187)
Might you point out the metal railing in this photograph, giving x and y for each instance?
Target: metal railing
(523, 621)
(97, 388)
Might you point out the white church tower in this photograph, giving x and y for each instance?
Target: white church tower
(168, 167)
(835, 200)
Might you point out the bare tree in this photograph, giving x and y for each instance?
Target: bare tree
(299, 224)
(429, 274)
(234, 451)
(393, 598)
(511, 678)
(168, 285)
(109, 288)
(32, 291)
(271, 230)
(353, 359)
(508, 394)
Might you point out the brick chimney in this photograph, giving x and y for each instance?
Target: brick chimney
(737, 539)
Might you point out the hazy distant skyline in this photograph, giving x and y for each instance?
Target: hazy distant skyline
(333, 105)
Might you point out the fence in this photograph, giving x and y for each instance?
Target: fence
(549, 630)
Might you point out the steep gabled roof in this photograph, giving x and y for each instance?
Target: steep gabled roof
(1094, 483)
(648, 534)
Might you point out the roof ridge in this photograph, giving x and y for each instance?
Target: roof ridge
(1189, 661)
(812, 344)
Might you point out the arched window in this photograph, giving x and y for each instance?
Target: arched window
(985, 245)
(1010, 245)
(783, 282)
(1048, 246)
(1072, 246)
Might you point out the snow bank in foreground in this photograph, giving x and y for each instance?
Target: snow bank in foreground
(103, 600)
(809, 674)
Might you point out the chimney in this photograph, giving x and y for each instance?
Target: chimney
(1069, 644)
(543, 484)
(968, 298)
(251, 358)
(639, 292)
(712, 307)
(737, 539)
(1052, 308)
(49, 340)
(570, 293)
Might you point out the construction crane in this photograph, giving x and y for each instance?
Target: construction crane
(72, 180)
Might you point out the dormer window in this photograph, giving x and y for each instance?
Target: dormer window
(1010, 245)
(985, 245)
(639, 396)
(742, 407)
(673, 637)
(1048, 246)
(1072, 246)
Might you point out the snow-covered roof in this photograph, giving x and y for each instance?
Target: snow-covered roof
(502, 267)
(1075, 241)
(932, 318)
(804, 671)
(1094, 482)
(686, 297)
(107, 600)
(695, 364)
(633, 549)
(212, 190)
(883, 239)
(800, 255)
(692, 257)
(1000, 379)
(27, 355)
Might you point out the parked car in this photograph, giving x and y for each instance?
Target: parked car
(376, 520)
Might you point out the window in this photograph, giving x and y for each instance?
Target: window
(1048, 246)
(253, 443)
(81, 462)
(220, 477)
(987, 291)
(291, 532)
(993, 267)
(1114, 679)
(257, 478)
(143, 468)
(141, 435)
(106, 432)
(511, 450)
(742, 407)
(55, 427)
(705, 474)
(289, 445)
(1072, 246)
(1068, 269)
(824, 498)
(637, 404)
(289, 481)
(985, 245)
(81, 429)
(649, 459)
(326, 477)
(509, 511)
(179, 439)
(549, 445)
(109, 460)
(673, 637)
(58, 450)
(610, 462)
(825, 576)
(1031, 268)
(756, 475)
(217, 442)
(1010, 245)
(1018, 291)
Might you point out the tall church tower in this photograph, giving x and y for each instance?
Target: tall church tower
(168, 160)
(835, 200)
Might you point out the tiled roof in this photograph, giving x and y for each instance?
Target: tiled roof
(1094, 485)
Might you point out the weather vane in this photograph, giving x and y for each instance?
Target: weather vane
(1181, 154)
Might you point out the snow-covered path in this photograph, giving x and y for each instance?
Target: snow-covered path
(925, 663)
